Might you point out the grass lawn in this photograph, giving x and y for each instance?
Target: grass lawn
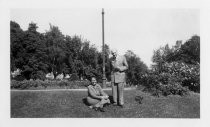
(66, 104)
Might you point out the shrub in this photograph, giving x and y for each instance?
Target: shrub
(14, 84)
(74, 77)
(38, 75)
(18, 78)
(175, 78)
(172, 88)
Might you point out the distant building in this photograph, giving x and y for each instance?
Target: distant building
(16, 73)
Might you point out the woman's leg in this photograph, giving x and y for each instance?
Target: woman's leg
(92, 101)
(103, 102)
(95, 102)
(106, 101)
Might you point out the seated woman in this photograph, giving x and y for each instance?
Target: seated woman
(96, 96)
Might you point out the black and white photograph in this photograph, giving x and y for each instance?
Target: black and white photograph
(104, 62)
(88, 63)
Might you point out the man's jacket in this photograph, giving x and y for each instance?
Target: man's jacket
(118, 68)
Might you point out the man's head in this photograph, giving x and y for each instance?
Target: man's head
(114, 53)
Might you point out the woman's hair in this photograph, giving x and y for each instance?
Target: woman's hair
(90, 78)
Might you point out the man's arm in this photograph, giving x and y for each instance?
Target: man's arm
(110, 65)
(125, 65)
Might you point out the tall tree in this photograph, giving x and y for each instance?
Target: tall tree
(55, 47)
(33, 45)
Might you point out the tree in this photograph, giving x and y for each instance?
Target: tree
(136, 68)
(26, 50)
(39, 53)
(16, 47)
(189, 52)
(55, 47)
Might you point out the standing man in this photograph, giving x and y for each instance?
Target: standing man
(118, 78)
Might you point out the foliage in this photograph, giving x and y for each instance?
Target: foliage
(37, 54)
(188, 53)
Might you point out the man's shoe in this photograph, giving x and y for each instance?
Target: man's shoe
(121, 106)
(115, 104)
(107, 104)
(96, 108)
(90, 106)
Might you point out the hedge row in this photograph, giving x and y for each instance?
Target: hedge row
(48, 84)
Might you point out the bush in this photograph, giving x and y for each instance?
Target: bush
(163, 83)
(150, 80)
(189, 75)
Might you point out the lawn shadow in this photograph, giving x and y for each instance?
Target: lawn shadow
(84, 100)
(111, 99)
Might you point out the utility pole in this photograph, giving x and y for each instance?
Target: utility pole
(103, 50)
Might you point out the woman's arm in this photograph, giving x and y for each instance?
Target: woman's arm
(92, 93)
(102, 92)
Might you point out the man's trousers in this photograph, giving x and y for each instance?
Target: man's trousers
(117, 92)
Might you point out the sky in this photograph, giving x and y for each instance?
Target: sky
(139, 30)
